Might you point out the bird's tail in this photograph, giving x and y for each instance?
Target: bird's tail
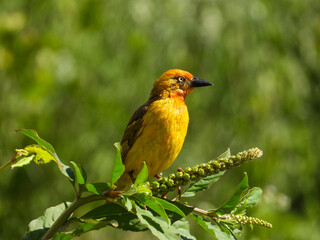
(124, 182)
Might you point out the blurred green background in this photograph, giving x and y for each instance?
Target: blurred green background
(76, 70)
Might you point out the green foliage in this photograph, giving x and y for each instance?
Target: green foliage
(137, 209)
(77, 70)
(118, 167)
(38, 227)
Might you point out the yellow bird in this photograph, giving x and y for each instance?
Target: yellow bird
(156, 131)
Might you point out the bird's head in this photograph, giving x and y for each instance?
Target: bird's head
(176, 83)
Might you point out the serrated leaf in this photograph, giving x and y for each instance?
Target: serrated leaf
(248, 200)
(152, 203)
(97, 188)
(202, 184)
(157, 226)
(115, 212)
(38, 227)
(118, 168)
(142, 176)
(235, 199)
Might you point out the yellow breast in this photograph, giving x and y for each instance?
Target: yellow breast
(162, 137)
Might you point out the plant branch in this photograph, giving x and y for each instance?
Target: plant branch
(12, 160)
(181, 178)
(74, 206)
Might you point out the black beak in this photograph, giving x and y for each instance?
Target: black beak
(198, 82)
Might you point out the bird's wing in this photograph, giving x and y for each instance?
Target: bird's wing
(133, 130)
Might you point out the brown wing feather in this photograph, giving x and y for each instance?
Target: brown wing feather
(133, 130)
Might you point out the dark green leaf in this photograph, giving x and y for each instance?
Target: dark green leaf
(118, 168)
(115, 212)
(157, 226)
(202, 184)
(152, 203)
(142, 176)
(81, 229)
(97, 188)
(167, 205)
(38, 227)
(235, 199)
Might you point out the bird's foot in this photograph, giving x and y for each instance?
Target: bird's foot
(165, 194)
(158, 176)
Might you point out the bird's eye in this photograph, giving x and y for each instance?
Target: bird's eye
(180, 79)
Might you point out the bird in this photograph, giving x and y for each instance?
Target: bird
(157, 129)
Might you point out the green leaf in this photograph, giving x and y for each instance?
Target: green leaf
(38, 227)
(22, 161)
(142, 176)
(152, 203)
(34, 135)
(32, 152)
(235, 199)
(118, 168)
(221, 232)
(226, 154)
(81, 229)
(115, 212)
(98, 188)
(203, 224)
(202, 184)
(65, 169)
(159, 228)
(167, 205)
(248, 200)
(78, 172)
(183, 229)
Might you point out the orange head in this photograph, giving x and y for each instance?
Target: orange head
(176, 83)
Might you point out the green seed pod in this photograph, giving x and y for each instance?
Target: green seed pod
(193, 177)
(172, 176)
(201, 172)
(195, 169)
(188, 170)
(163, 188)
(170, 183)
(155, 185)
(186, 176)
(179, 175)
